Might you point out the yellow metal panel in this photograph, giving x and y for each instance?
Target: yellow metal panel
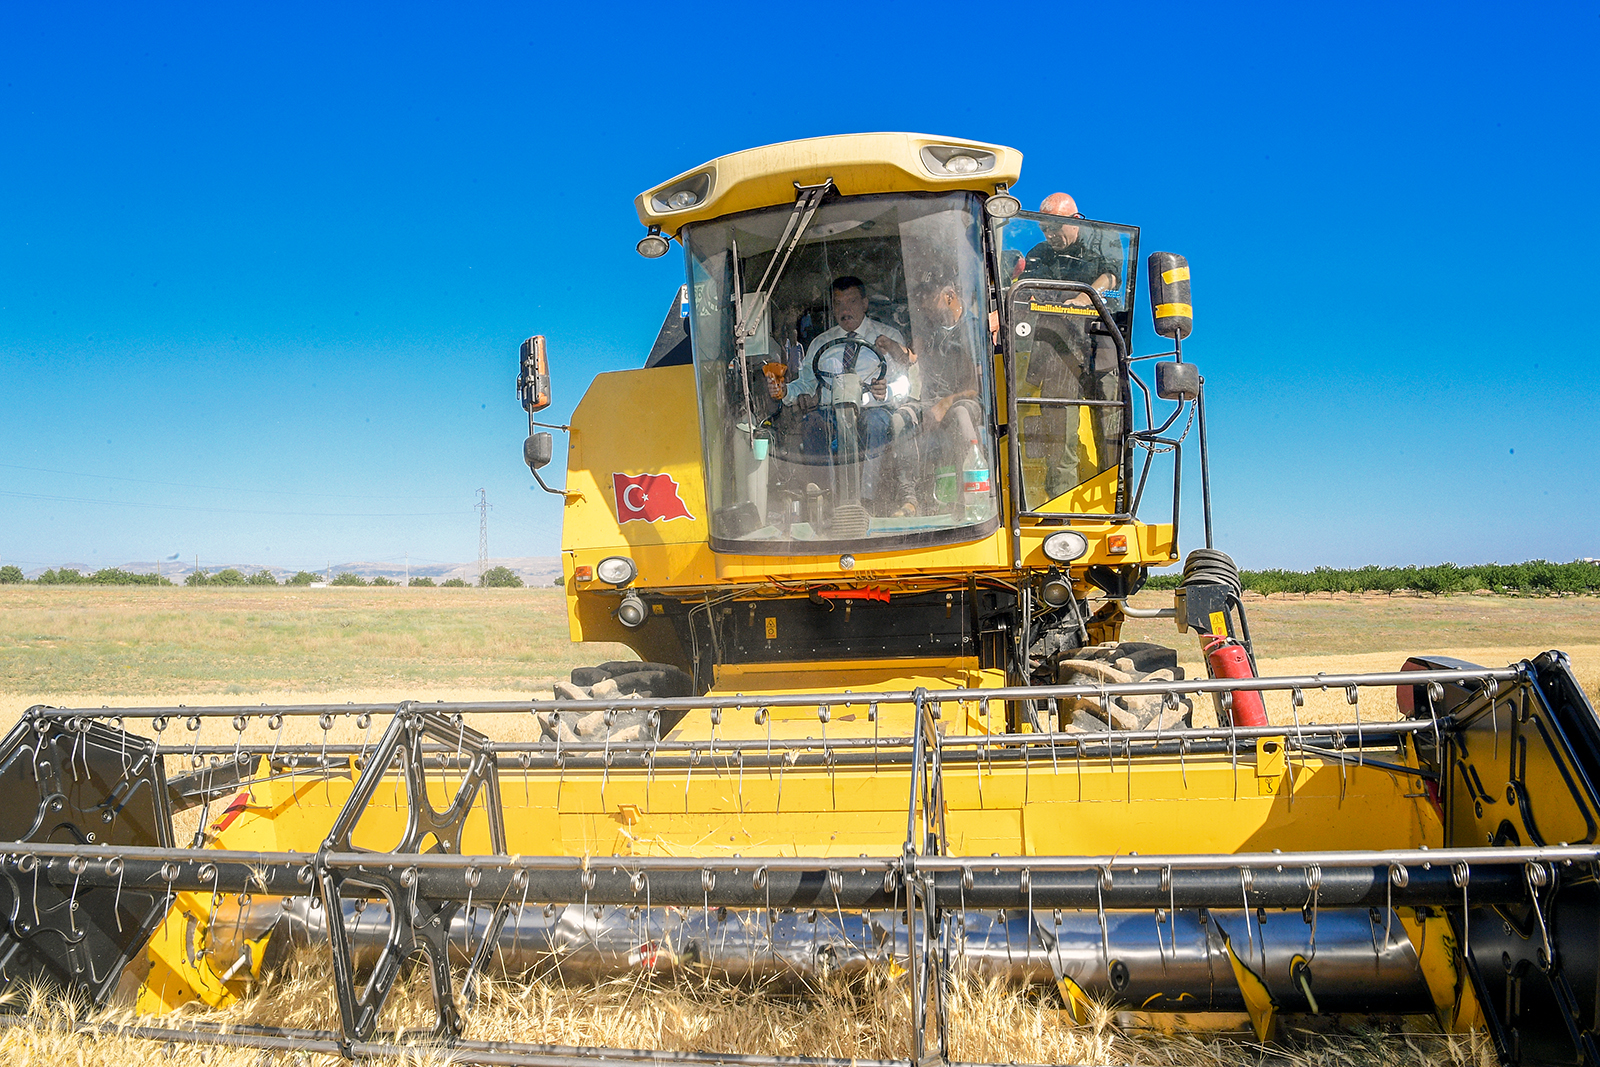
(864, 676)
(621, 410)
(1148, 543)
(989, 553)
(857, 163)
(1455, 1003)
(1044, 807)
(1098, 494)
(1257, 997)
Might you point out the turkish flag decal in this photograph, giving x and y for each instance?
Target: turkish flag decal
(648, 498)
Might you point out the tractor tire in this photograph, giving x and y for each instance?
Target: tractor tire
(1117, 663)
(616, 679)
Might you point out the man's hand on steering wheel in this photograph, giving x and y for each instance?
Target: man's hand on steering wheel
(827, 376)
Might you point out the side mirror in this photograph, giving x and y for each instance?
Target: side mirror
(1169, 295)
(533, 381)
(537, 449)
(1177, 381)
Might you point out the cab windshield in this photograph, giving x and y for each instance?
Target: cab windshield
(859, 410)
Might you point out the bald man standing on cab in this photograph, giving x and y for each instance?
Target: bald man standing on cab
(1073, 362)
(1064, 255)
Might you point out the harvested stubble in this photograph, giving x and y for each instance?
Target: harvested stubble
(866, 1019)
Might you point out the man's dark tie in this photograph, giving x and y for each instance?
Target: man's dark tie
(851, 351)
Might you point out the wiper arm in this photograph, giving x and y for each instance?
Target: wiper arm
(805, 206)
(744, 327)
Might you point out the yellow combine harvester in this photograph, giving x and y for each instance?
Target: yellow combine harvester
(869, 516)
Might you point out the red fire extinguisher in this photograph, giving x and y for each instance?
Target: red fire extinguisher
(1228, 660)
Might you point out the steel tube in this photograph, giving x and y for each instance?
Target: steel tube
(1174, 960)
(790, 700)
(1484, 855)
(1274, 880)
(1371, 735)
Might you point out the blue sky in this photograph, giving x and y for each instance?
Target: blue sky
(263, 274)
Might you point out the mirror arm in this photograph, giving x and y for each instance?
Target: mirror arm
(557, 492)
(1144, 391)
(1155, 432)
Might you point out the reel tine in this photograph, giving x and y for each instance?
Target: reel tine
(1352, 696)
(1297, 699)
(1233, 753)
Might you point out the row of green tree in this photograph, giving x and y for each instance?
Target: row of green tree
(1533, 577)
(11, 574)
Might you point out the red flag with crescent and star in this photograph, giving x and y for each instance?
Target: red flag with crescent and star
(648, 498)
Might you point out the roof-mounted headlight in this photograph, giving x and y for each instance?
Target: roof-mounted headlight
(1066, 546)
(956, 160)
(618, 570)
(683, 194)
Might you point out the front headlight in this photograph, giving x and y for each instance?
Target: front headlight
(618, 570)
(1002, 206)
(1066, 546)
(631, 612)
(652, 245)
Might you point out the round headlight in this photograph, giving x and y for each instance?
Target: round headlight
(618, 570)
(1066, 546)
(653, 246)
(1056, 592)
(631, 612)
(960, 164)
(1002, 206)
(681, 199)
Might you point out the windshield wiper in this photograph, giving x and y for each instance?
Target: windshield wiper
(805, 206)
(807, 201)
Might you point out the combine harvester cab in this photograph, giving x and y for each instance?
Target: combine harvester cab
(869, 515)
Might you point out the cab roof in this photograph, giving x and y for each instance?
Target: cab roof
(856, 162)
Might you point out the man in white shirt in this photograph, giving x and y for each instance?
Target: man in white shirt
(850, 314)
(885, 415)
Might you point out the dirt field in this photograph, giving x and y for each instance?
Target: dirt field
(1334, 633)
(71, 646)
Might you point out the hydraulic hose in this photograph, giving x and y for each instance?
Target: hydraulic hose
(1226, 657)
(1211, 566)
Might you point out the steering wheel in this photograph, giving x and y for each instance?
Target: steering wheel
(827, 376)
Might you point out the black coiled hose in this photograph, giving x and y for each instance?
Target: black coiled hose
(1210, 566)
